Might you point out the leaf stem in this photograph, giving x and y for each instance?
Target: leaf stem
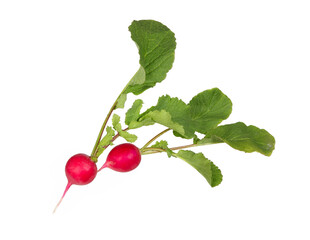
(106, 121)
(155, 150)
(150, 150)
(102, 129)
(193, 145)
(153, 139)
(185, 146)
(117, 135)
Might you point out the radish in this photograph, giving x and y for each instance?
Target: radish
(80, 170)
(202, 114)
(123, 158)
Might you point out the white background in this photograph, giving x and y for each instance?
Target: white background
(63, 63)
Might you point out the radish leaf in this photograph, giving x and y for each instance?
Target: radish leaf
(156, 44)
(118, 127)
(203, 165)
(133, 113)
(243, 138)
(208, 109)
(172, 113)
(121, 101)
(163, 145)
(205, 111)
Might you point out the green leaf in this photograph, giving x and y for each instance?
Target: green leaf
(203, 165)
(121, 101)
(243, 138)
(208, 109)
(204, 112)
(172, 113)
(118, 127)
(128, 136)
(207, 140)
(138, 78)
(163, 145)
(116, 122)
(133, 113)
(105, 141)
(156, 44)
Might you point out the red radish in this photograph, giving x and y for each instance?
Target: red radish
(123, 158)
(80, 170)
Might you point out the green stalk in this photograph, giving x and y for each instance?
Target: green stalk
(106, 121)
(102, 129)
(185, 146)
(153, 139)
(150, 150)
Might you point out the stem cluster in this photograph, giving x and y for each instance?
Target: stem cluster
(145, 149)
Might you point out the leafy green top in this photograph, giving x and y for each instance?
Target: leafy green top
(203, 165)
(156, 44)
(208, 109)
(241, 137)
(203, 113)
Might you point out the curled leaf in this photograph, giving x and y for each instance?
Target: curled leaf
(156, 44)
(242, 137)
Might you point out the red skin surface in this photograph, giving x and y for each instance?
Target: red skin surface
(123, 158)
(80, 169)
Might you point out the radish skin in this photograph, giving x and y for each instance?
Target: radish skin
(123, 158)
(80, 170)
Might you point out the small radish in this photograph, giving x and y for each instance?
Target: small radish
(123, 158)
(80, 170)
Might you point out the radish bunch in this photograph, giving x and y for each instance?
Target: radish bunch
(203, 114)
(81, 170)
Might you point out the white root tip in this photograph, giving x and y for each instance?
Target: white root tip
(67, 188)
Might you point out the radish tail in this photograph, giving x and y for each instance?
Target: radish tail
(104, 166)
(67, 188)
